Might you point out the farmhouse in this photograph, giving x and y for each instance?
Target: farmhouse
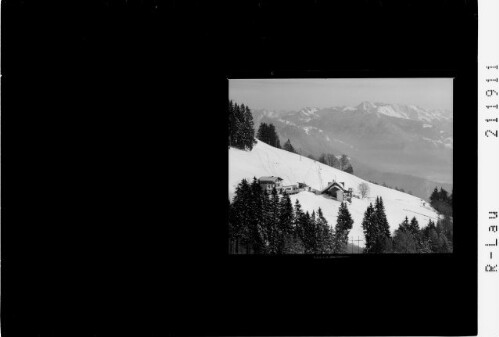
(304, 187)
(268, 183)
(337, 191)
(290, 189)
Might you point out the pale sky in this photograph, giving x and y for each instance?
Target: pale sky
(294, 94)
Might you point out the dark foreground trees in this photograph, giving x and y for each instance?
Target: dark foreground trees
(409, 237)
(241, 128)
(344, 224)
(376, 229)
(262, 223)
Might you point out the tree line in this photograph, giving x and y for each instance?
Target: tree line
(242, 134)
(409, 237)
(441, 201)
(241, 128)
(267, 223)
(343, 163)
(267, 134)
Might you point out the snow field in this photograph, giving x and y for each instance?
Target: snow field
(265, 160)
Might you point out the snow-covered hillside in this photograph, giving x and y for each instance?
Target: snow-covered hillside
(265, 160)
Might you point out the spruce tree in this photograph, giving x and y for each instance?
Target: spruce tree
(369, 228)
(433, 240)
(379, 234)
(344, 224)
(325, 235)
(257, 232)
(308, 233)
(241, 217)
(414, 226)
(434, 196)
(285, 222)
(231, 121)
(248, 131)
(403, 242)
(261, 134)
(316, 234)
(274, 138)
(288, 147)
(382, 221)
(274, 232)
(238, 127)
(298, 229)
(266, 222)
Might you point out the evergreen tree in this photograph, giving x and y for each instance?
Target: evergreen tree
(403, 242)
(288, 147)
(256, 231)
(444, 245)
(232, 229)
(414, 226)
(273, 228)
(404, 226)
(325, 234)
(262, 133)
(285, 222)
(241, 128)
(315, 234)
(443, 195)
(274, 138)
(382, 221)
(441, 201)
(241, 217)
(232, 122)
(308, 233)
(369, 228)
(410, 239)
(380, 237)
(344, 224)
(267, 134)
(293, 245)
(248, 130)
(434, 196)
(298, 228)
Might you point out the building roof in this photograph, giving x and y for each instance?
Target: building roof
(334, 184)
(271, 179)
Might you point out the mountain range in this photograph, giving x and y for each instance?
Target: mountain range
(401, 145)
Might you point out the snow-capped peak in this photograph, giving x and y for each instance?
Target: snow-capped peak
(366, 106)
(306, 114)
(308, 111)
(412, 112)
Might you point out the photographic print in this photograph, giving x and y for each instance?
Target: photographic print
(340, 166)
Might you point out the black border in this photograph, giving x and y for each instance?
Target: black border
(109, 107)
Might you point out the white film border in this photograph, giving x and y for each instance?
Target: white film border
(488, 168)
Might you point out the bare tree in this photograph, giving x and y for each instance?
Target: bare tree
(363, 189)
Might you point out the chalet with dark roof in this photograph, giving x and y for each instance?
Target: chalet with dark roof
(268, 183)
(337, 191)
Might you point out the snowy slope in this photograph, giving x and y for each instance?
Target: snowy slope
(265, 160)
